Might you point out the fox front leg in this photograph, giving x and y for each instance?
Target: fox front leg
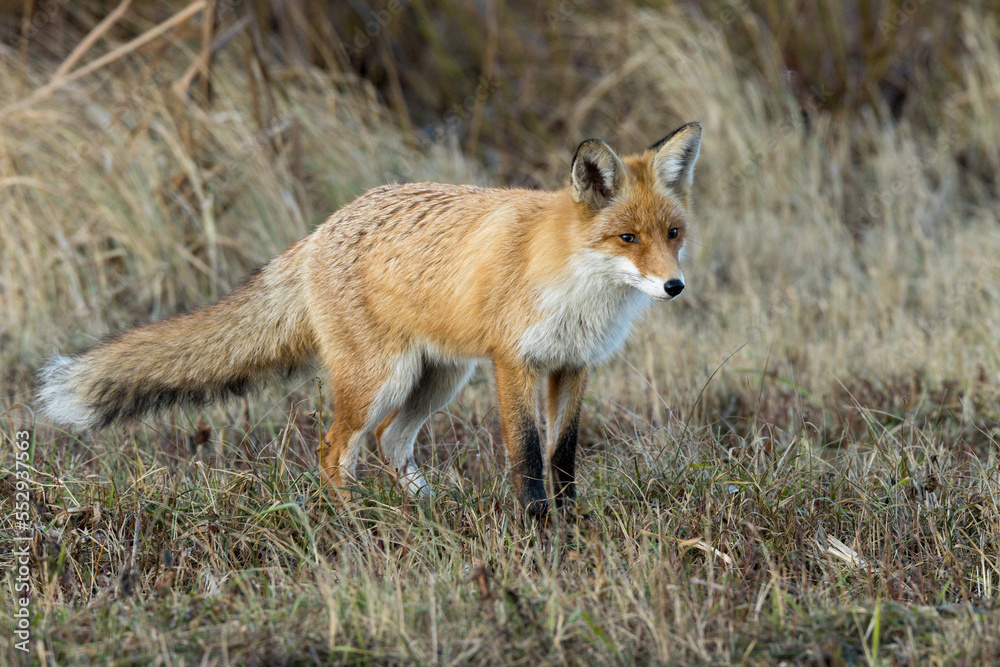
(516, 390)
(566, 389)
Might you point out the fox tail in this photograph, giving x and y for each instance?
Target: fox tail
(259, 332)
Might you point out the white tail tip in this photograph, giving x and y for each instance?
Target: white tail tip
(59, 397)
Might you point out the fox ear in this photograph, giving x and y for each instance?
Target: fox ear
(675, 156)
(597, 174)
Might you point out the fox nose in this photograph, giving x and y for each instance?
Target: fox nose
(674, 287)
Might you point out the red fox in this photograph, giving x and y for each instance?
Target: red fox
(401, 293)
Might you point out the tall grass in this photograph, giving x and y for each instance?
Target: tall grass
(796, 462)
(123, 206)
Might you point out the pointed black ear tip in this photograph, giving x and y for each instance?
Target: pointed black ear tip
(696, 125)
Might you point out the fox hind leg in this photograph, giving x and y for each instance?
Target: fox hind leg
(363, 397)
(437, 385)
(339, 452)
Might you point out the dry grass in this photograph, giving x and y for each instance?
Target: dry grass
(796, 463)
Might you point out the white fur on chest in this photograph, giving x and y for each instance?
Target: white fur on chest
(586, 317)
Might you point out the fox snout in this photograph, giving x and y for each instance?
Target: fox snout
(673, 288)
(656, 286)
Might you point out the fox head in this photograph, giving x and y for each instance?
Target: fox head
(636, 208)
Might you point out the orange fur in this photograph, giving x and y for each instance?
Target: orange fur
(402, 291)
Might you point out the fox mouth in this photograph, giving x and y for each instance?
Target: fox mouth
(645, 285)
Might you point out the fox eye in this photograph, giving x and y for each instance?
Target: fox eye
(672, 234)
(629, 238)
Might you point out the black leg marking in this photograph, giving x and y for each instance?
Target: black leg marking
(528, 472)
(564, 463)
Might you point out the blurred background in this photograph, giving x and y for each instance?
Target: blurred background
(152, 153)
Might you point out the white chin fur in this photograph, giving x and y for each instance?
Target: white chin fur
(653, 288)
(58, 397)
(586, 316)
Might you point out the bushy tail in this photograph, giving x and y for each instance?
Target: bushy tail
(259, 332)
